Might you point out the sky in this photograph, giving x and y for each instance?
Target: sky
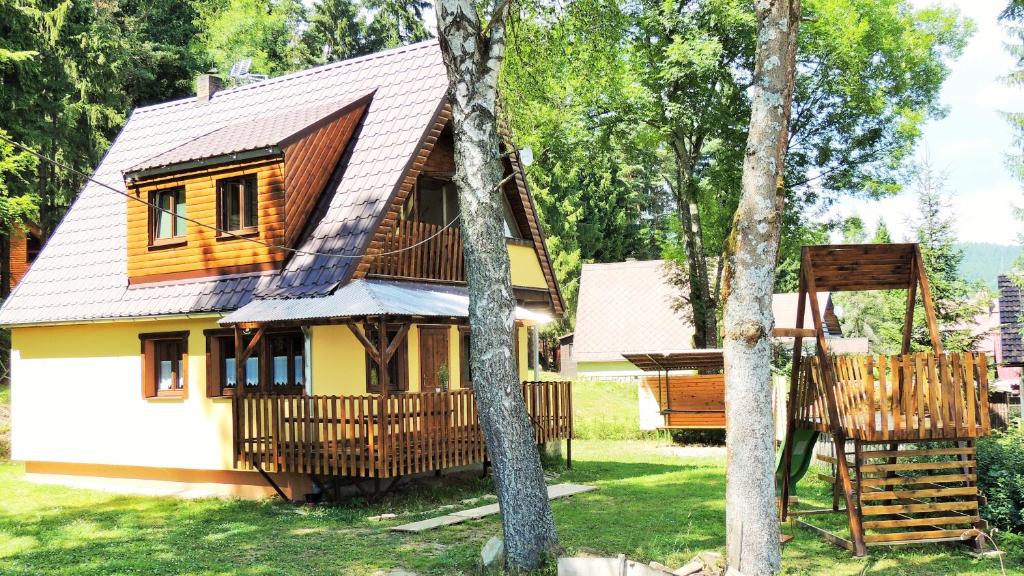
(969, 143)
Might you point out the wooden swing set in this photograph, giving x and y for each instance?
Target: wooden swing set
(903, 427)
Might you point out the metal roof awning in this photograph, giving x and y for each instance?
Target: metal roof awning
(703, 359)
(368, 297)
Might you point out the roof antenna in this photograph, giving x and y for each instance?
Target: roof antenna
(240, 73)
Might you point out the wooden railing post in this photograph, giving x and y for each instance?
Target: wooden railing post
(382, 437)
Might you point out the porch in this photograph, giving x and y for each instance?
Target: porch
(380, 435)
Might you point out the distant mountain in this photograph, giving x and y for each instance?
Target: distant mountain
(985, 262)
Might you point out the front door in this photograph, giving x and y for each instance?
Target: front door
(434, 369)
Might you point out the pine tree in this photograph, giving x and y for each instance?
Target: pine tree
(1013, 17)
(337, 30)
(395, 23)
(956, 301)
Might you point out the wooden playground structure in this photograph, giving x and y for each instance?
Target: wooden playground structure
(686, 401)
(902, 427)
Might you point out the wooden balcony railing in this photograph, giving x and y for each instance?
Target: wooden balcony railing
(920, 396)
(408, 253)
(374, 436)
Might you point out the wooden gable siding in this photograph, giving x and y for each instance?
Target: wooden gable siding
(309, 164)
(436, 156)
(536, 234)
(408, 183)
(441, 160)
(204, 254)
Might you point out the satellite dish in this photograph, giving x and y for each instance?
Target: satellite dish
(526, 156)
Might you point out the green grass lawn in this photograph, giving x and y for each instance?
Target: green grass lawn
(606, 411)
(653, 504)
(5, 421)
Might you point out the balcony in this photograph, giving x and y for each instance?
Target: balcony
(417, 250)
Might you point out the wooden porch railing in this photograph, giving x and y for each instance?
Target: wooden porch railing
(921, 396)
(374, 436)
(413, 256)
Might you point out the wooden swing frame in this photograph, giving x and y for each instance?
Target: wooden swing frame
(836, 268)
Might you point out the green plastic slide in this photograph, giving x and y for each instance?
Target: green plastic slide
(803, 454)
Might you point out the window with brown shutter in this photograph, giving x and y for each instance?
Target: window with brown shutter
(164, 364)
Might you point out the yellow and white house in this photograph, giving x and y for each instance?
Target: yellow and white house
(279, 300)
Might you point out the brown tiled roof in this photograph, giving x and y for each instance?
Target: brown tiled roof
(81, 274)
(627, 308)
(1011, 307)
(267, 132)
(784, 307)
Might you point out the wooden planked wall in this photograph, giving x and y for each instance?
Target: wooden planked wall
(310, 162)
(691, 401)
(204, 254)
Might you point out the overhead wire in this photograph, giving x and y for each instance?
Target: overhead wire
(223, 232)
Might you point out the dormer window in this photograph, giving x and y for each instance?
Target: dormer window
(167, 216)
(237, 204)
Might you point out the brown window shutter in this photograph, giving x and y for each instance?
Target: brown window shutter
(148, 368)
(214, 377)
(402, 357)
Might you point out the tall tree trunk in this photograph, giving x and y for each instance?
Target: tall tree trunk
(473, 55)
(752, 525)
(703, 305)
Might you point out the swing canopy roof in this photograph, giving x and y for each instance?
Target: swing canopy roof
(702, 359)
(837, 268)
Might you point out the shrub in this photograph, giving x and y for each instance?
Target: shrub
(1001, 478)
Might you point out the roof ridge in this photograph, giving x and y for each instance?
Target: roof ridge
(293, 75)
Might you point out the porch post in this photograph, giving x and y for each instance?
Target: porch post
(382, 402)
(535, 339)
(382, 364)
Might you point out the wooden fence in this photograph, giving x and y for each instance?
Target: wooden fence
(910, 397)
(412, 255)
(374, 436)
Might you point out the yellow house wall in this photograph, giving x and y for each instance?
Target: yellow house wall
(339, 360)
(77, 393)
(77, 397)
(526, 271)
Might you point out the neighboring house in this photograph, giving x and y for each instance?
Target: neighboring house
(623, 308)
(631, 308)
(1005, 343)
(22, 248)
(566, 363)
(152, 350)
(784, 307)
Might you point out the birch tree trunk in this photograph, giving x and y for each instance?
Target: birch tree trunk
(752, 525)
(473, 54)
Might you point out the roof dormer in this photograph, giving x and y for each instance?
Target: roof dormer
(197, 207)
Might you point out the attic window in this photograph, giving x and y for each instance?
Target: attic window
(167, 216)
(436, 202)
(237, 204)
